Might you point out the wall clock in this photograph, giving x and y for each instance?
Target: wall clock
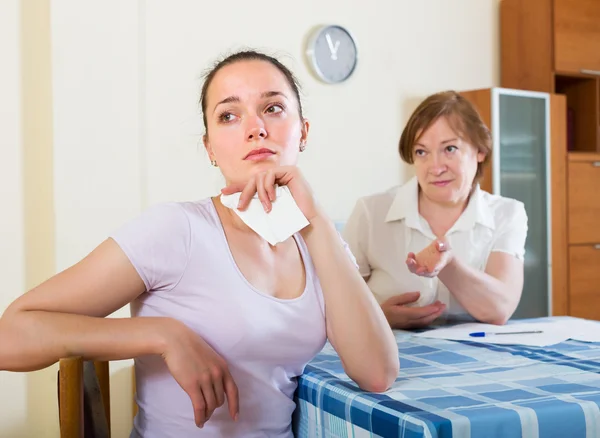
(332, 53)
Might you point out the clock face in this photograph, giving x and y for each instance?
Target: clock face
(332, 54)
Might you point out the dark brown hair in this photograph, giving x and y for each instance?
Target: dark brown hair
(248, 55)
(462, 117)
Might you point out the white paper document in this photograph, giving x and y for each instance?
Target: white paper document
(284, 219)
(547, 333)
(582, 329)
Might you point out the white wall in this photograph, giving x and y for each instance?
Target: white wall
(13, 387)
(127, 126)
(95, 89)
(96, 141)
(407, 50)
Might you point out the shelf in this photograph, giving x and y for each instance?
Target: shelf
(525, 176)
(584, 156)
(575, 74)
(518, 140)
(582, 110)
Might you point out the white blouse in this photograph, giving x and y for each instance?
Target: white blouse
(385, 227)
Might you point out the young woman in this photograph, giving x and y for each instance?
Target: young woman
(217, 313)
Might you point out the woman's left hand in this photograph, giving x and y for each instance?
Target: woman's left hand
(263, 184)
(431, 260)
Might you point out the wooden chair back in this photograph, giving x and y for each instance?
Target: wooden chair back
(83, 398)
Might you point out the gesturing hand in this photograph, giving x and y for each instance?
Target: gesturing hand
(263, 184)
(431, 260)
(400, 316)
(201, 372)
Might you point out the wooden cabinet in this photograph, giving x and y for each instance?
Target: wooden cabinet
(584, 235)
(584, 199)
(577, 36)
(528, 163)
(584, 280)
(526, 45)
(582, 110)
(554, 46)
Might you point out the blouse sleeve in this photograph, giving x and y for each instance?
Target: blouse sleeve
(512, 231)
(157, 243)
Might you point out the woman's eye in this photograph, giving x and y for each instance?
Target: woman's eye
(273, 109)
(226, 117)
(419, 152)
(451, 148)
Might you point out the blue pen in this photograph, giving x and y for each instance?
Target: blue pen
(484, 334)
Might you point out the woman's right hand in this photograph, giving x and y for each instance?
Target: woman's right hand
(264, 184)
(400, 316)
(201, 372)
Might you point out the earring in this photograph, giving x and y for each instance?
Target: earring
(214, 163)
(302, 146)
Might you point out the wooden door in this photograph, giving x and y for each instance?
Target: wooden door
(584, 281)
(584, 200)
(577, 36)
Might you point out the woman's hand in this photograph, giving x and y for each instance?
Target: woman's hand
(263, 184)
(201, 372)
(431, 260)
(400, 316)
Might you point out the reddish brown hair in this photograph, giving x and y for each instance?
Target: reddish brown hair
(462, 117)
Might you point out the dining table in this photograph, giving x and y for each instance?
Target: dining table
(458, 388)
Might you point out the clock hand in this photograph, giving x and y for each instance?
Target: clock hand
(337, 45)
(332, 49)
(330, 43)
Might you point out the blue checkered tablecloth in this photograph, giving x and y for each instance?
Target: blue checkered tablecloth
(452, 389)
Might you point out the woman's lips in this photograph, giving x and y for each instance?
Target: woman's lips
(259, 154)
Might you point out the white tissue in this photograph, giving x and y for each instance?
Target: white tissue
(284, 220)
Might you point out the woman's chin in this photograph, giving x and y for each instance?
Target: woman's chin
(262, 165)
(253, 168)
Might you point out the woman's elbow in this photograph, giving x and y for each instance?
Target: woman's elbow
(18, 344)
(498, 320)
(499, 317)
(379, 379)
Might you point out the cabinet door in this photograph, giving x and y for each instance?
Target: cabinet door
(584, 281)
(577, 35)
(521, 172)
(584, 202)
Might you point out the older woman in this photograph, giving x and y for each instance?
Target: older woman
(218, 313)
(439, 245)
